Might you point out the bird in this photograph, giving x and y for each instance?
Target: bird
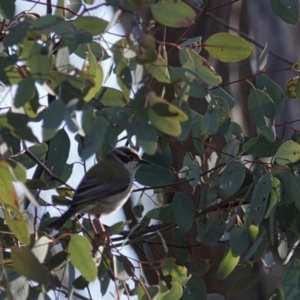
(105, 187)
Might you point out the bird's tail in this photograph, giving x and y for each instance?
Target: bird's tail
(59, 222)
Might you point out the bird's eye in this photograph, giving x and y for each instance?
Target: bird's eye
(131, 157)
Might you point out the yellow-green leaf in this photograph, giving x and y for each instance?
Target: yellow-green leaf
(159, 70)
(192, 61)
(7, 191)
(95, 73)
(227, 47)
(16, 223)
(227, 265)
(165, 116)
(173, 13)
(81, 257)
(90, 24)
(288, 152)
(166, 109)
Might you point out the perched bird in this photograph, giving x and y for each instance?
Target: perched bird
(105, 187)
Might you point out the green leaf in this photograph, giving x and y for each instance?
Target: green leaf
(238, 241)
(94, 138)
(178, 273)
(196, 288)
(8, 195)
(273, 89)
(16, 223)
(110, 97)
(217, 113)
(173, 13)
(288, 152)
(164, 115)
(95, 73)
(48, 23)
(80, 283)
(181, 247)
(57, 261)
(290, 185)
(53, 117)
(147, 49)
(220, 93)
(58, 152)
(38, 150)
(7, 9)
(174, 293)
(164, 214)
(16, 33)
(145, 133)
(97, 49)
(261, 147)
(25, 91)
(231, 179)
(262, 111)
(259, 199)
(227, 47)
(287, 10)
(191, 170)
(227, 265)
(81, 257)
(90, 24)
(290, 280)
(243, 284)
(275, 196)
(191, 60)
(208, 233)
(40, 62)
(183, 211)
(159, 70)
(26, 264)
(154, 175)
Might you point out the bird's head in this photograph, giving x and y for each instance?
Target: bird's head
(127, 157)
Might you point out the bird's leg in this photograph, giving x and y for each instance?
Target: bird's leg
(100, 230)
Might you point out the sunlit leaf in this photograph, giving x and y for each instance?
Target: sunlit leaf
(173, 13)
(288, 152)
(178, 273)
(227, 264)
(80, 255)
(91, 24)
(227, 47)
(95, 72)
(191, 60)
(159, 70)
(164, 115)
(16, 223)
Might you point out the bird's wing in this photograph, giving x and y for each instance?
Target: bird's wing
(93, 188)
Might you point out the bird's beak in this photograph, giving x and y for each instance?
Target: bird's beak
(144, 162)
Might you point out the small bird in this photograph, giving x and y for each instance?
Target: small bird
(105, 187)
